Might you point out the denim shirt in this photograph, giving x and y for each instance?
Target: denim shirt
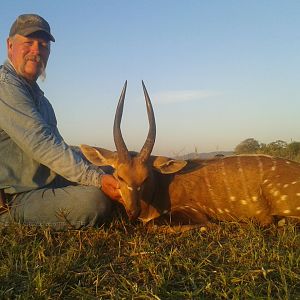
(32, 151)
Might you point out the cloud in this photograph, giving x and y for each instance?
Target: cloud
(184, 96)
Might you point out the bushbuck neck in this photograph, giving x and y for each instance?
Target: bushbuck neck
(235, 188)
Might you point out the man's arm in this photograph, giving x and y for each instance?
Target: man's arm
(21, 120)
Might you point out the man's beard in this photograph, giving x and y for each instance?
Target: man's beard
(43, 74)
(38, 59)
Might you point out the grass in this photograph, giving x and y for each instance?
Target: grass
(123, 261)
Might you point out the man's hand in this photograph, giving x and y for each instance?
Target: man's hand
(110, 187)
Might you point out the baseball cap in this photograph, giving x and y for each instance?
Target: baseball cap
(29, 23)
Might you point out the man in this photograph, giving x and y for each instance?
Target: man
(42, 180)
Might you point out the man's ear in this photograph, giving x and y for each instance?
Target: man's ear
(99, 156)
(9, 47)
(167, 165)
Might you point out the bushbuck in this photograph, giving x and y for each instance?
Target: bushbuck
(233, 188)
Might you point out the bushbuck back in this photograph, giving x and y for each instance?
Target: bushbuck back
(234, 188)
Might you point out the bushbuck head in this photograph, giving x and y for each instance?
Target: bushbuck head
(134, 171)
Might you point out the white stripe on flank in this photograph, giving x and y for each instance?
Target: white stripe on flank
(209, 187)
(260, 167)
(227, 186)
(274, 165)
(243, 178)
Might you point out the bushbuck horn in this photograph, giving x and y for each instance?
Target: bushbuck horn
(149, 143)
(119, 141)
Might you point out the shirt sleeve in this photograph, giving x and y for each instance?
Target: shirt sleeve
(25, 125)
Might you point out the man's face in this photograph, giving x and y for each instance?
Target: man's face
(29, 55)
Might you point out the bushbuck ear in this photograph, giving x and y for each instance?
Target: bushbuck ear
(99, 156)
(167, 165)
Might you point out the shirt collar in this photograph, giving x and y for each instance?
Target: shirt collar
(9, 65)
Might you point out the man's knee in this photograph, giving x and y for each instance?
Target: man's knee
(95, 207)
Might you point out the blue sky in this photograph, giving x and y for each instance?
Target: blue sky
(217, 72)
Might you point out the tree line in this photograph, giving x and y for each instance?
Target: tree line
(278, 148)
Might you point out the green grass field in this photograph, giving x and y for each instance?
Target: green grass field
(122, 261)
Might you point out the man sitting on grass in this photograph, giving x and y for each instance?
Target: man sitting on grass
(42, 180)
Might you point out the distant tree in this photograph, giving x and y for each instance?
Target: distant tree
(293, 150)
(262, 148)
(249, 145)
(296, 158)
(279, 144)
(277, 148)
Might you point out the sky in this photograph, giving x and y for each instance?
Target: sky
(217, 72)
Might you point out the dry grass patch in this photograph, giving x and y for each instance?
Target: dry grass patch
(123, 261)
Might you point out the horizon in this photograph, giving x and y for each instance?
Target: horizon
(217, 72)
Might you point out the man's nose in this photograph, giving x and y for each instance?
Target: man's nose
(35, 47)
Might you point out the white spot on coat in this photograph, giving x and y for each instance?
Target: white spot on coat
(287, 211)
(254, 198)
(244, 202)
(283, 197)
(232, 198)
(286, 185)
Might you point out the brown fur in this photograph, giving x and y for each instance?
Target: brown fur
(235, 188)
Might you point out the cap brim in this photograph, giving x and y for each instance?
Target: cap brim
(31, 30)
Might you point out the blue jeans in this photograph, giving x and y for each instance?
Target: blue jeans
(61, 205)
